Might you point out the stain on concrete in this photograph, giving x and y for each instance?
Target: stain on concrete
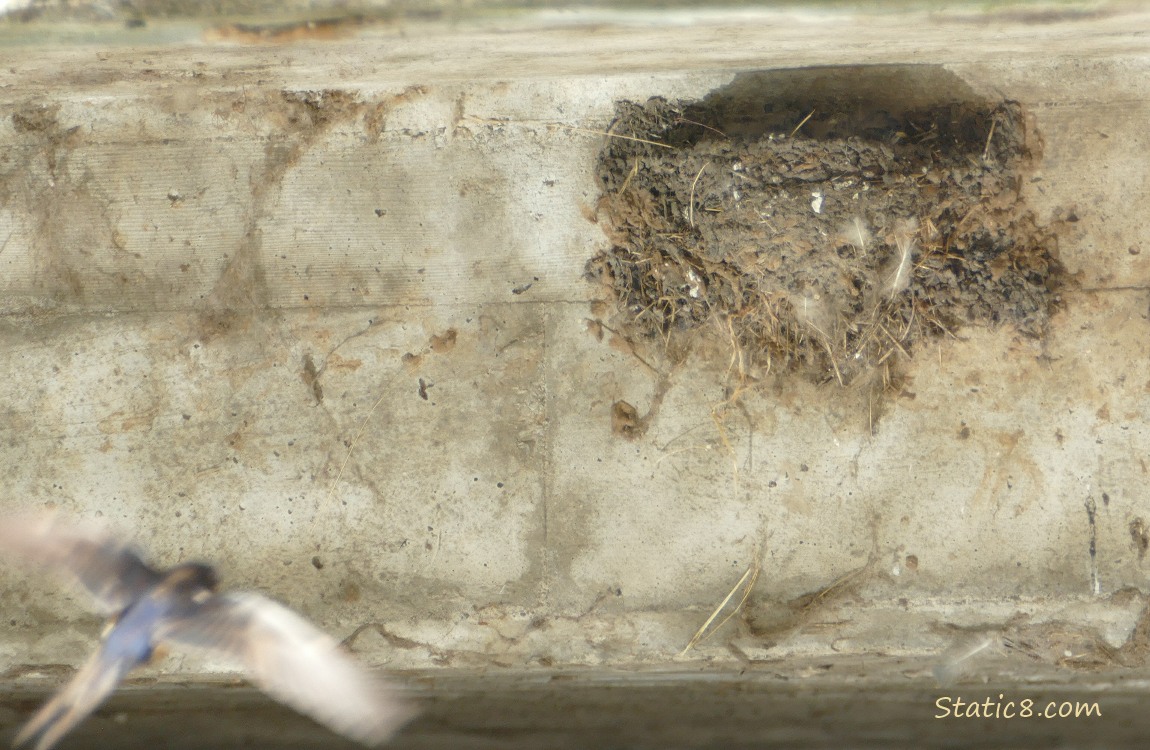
(310, 376)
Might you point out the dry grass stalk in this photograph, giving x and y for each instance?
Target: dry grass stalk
(801, 123)
(706, 630)
(691, 200)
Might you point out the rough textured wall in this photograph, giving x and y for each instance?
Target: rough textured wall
(317, 312)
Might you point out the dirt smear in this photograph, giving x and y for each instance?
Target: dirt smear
(302, 118)
(824, 222)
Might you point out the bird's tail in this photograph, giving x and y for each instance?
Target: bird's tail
(95, 680)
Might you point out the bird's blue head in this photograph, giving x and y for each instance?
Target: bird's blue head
(191, 576)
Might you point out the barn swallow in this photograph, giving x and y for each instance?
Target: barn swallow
(286, 656)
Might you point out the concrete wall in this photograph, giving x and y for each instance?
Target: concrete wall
(316, 311)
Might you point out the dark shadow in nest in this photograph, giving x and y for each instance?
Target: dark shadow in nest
(825, 220)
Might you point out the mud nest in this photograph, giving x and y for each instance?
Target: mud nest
(821, 242)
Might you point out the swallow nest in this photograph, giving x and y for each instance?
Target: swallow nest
(821, 242)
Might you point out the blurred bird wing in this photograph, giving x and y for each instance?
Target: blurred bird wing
(80, 697)
(102, 564)
(294, 662)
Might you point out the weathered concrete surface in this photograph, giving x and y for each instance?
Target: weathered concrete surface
(268, 305)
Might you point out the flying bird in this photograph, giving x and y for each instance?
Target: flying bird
(284, 654)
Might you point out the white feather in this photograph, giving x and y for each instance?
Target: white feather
(958, 659)
(898, 278)
(856, 233)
